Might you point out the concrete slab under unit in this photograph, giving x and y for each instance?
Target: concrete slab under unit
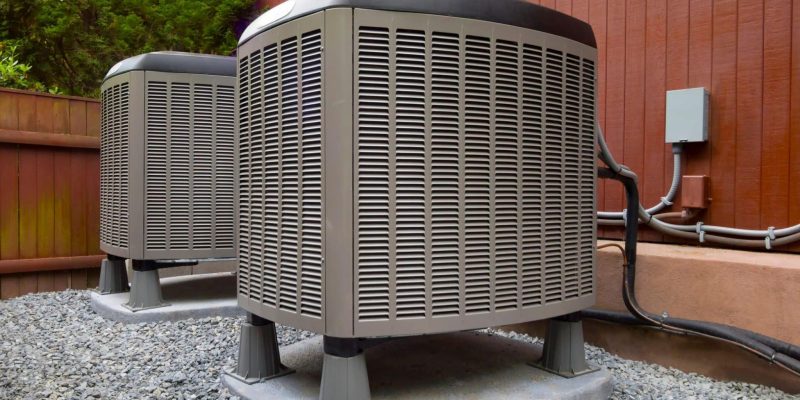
(463, 365)
(190, 296)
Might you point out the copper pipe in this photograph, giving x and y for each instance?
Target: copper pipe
(50, 264)
(49, 139)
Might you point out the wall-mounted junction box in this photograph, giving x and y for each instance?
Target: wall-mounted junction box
(695, 191)
(687, 115)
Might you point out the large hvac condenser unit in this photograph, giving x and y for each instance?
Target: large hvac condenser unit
(413, 167)
(167, 161)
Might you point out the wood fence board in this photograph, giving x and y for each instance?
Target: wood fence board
(93, 278)
(61, 123)
(45, 282)
(26, 112)
(77, 117)
(9, 286)
(44, 114)
(78, 279)
(9, 202)
(93, 119)
(93, 202)
(28, 283)
(28, 202)
(62, 202)
(45, 210)
(9, 114)
(61, 280)
(79, 197)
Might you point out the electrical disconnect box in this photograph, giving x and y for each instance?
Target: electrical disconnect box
(687, 115)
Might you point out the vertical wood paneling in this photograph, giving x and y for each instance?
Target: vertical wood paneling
(49, 197)
(615, 94)
(62, 202)
(79, 196)
(634, 96)
(28, 202)
(9, 202)
(794, 168)
(580, 10)
(92, 176)
(44, 114)
(655, 87)
(722, 134)
(749, 84)
(565, 6)
(775, 139)
(677, 74)
(77, 117)
(61, 121)
(93, 119)
(45, 210)
(699, 73)
(9, 286)
(598, 19)
(747, 54)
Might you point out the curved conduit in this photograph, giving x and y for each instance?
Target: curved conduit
(773, 350)
(735, 237)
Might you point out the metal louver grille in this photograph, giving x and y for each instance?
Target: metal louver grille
(280, 175)
(474, 173)
(114, 166)
(189, 182)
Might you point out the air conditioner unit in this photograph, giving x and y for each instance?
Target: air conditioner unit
(167, 158)
(414, 167)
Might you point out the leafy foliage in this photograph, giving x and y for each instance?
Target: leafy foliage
(72, 43)
(14, 74)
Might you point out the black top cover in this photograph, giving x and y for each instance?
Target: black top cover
(178, 62)
(510, 12)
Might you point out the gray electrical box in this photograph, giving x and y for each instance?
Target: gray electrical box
(687, 115)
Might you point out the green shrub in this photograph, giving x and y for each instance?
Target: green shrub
(14, 74)
(71, 44)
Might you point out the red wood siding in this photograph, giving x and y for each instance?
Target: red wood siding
(747, 54)
(49, 196)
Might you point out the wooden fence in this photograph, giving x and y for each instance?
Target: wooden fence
(49, 192)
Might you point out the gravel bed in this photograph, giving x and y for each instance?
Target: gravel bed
(53, 346)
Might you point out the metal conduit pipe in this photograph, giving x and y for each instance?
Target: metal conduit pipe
(666, 201)
(768, 238)
(680, 326)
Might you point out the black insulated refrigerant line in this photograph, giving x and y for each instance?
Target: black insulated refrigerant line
(773, 350)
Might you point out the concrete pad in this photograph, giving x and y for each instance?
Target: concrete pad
(190, 296)
(463, 365)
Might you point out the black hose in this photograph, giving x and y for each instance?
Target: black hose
(627, 319)
(717, 331)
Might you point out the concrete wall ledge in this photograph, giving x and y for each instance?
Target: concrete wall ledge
(758, 291)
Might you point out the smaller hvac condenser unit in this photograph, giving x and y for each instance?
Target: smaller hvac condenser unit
(414, 167)
(167, 158)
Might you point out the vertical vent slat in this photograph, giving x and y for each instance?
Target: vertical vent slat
(372, 186)
(444, 153)
(410, 173)
(486, 152)
(280, 175)
(477, 174)
(114, 166)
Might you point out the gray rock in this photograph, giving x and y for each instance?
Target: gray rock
(53, 346)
